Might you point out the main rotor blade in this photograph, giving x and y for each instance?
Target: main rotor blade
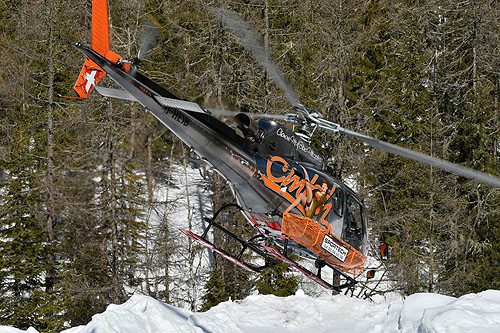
(252, 42)
(423, 158)
(230, 113)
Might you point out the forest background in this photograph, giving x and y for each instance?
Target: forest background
(78, 178)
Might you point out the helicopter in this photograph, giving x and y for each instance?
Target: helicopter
(264, 163)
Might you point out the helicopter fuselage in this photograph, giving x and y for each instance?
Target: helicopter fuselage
(262, 168)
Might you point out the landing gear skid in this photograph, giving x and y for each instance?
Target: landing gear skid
(350, 282)
(269, 254)
(245, 245)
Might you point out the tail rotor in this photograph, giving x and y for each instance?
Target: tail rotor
(149, 38)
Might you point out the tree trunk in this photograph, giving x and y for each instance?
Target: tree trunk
(49, 279)
(150, 209)
(114, 229)
(495, 119)
(266, 47)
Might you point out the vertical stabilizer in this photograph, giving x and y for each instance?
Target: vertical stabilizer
(91, 73)
(100, 27)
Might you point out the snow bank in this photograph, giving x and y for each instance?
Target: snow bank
(469, 313)
(139, 314)
(302, 313)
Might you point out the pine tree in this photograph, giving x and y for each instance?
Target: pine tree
(471, 94)
(277, 280)
(24, 251)
(32, 78)
(216, 291)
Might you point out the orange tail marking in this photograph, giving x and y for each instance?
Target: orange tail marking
(100, 27)
(89, 76)
(91, 73)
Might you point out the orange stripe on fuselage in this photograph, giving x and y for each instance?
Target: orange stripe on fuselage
(269, 165)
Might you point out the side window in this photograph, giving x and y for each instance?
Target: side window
(354, 217)
(354, 226)
(338, 202)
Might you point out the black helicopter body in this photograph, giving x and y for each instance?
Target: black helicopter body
(263, 166)
(260, 167)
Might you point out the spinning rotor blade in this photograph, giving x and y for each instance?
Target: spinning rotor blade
(230, 113)
(149, 37)
(413, 155)
(251, 41)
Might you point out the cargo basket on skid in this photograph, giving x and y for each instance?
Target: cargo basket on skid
(311, 234)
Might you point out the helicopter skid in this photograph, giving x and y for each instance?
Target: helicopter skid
(278, 255)
(223, 253)
(315, 277)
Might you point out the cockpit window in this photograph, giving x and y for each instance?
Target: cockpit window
(338, 202)
(353, 225)
(354, 217)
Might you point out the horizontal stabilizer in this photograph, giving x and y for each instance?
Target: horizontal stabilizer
(180, 104)
(115, 93)
(168, 102)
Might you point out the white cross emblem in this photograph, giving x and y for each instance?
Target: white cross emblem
(90, 80)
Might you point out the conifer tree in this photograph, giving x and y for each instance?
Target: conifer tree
(216, 292)
(277, 280)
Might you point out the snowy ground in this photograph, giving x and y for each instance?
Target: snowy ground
(302, 313)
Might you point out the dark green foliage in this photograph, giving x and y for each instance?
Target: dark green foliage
(23, 252)
(25, 300)
(433, 218)
(277, 280)
(216, 291)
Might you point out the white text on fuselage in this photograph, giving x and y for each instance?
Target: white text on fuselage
(299, 144)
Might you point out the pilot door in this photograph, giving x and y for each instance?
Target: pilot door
(354, 229)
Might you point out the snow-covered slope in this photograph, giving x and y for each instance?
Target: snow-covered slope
(302, 313)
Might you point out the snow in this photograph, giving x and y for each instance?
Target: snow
(302, 313)
(183, 204)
